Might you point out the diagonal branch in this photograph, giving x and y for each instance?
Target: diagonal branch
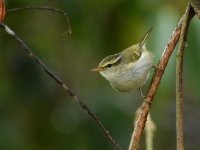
(179, 79)
(144, 110)
(158, 73)
(84, 107)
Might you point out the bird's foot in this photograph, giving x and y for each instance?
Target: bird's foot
(143, 96)
(157, 68)
(147, 101)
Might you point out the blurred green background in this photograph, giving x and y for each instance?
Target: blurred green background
(36, 114)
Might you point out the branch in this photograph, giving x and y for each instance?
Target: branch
(196, 6)
(158, 73)
(144, 110)
(46, 9)
(50, 73)
(179, 79)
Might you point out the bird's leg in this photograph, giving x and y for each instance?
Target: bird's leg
(141, 93)
(144, 97)
(156, 67)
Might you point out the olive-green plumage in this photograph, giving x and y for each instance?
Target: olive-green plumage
(127, 70)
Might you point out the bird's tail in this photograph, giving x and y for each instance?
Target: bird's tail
(143, 41)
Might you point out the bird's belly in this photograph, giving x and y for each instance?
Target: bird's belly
(131, 76)
(134, 75)
(129, 81)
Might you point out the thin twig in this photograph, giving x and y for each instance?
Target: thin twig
(61, 83)
(179, 80)
(158, 73)
(46, 9)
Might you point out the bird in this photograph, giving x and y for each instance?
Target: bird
(129, 69)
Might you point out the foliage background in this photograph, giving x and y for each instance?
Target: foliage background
(35, 113)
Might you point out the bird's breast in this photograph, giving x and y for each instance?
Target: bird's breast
(132, 75)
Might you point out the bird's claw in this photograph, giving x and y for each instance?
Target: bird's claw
(157, 68)
(147, 101)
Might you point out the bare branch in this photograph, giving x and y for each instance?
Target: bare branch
(158, 73)
(144, 110)
(46, 9)
(84, 107)
(179, 79)
(196, 6)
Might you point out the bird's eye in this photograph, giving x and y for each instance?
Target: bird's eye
(109, 65)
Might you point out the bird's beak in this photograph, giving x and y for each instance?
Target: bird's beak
(97, 69)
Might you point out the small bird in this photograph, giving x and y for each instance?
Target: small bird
(128, 70)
